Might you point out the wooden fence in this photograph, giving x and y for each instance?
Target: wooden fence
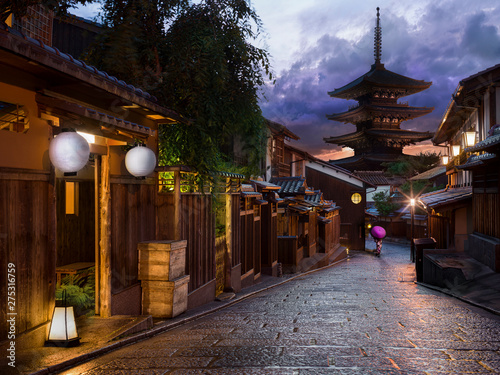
(27, 245)
(486, 214)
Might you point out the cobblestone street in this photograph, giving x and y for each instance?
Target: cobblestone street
(362, 316)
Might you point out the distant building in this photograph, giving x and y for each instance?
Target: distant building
(378, 137)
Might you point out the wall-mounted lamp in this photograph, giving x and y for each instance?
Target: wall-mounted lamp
(445, 159)
(69, 151)
(455, 150)
(63, 330)
(470, 138)
(140, 161)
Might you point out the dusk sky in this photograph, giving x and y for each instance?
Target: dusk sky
(320, 45)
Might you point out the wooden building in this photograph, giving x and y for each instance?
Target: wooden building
(378, 115)
(57, 222)
(464, 216)
(338, 185)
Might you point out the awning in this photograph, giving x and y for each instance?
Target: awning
(446, 196)
(103, 124)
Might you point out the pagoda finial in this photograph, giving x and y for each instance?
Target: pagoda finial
(378, 39)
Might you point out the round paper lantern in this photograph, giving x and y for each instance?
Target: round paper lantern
(69, 151)
(377, 232)
(140, 161)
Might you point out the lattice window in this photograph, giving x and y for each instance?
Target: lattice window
(13, 117)
(37, 24)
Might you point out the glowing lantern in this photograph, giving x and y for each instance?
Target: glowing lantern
(63, 327)
(69, 151)
(140, 161)
(470, 138)
(445, 159)
(455, 150)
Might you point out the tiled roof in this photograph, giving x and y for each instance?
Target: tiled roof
(381, 77)
(375, 177)
(446, 196)
(291, 185)
(477, 160)
(79, 63)
(430, 174)
(281, 129)
(247, 191)
(265, 186)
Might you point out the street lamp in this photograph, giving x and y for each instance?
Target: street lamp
(412, 212)
(455, 150)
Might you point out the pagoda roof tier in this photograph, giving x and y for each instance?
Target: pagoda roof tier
(365, 112)
(400, 136)
(380, 78)
(364, 162)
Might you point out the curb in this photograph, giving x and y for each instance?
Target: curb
(167, 326)
(463, 299)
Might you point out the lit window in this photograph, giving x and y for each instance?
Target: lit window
(356, 198)
(71, 198)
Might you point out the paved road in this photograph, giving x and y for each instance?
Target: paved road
(363, 316)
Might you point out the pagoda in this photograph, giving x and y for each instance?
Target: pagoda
(378, 115)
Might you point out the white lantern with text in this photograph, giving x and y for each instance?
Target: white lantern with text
(140, 161)
(69, 151)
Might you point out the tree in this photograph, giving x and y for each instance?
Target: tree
(410, 165)
(212, 75)
(383, 203)
(197, 59)
(133, 33)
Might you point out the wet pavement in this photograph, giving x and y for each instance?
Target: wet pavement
(361, 316)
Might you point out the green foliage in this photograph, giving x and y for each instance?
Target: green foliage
(197, 59)
(419, 187)
(410, 165)
(383, 203)
(212, 75)
(80, 291)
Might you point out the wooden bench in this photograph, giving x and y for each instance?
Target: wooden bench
(71, 269)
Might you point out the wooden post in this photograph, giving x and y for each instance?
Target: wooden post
(97, 178)
(105, 230)
(52, 236)
(177, 205)
(228, 257)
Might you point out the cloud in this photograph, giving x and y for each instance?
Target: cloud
(442, 42)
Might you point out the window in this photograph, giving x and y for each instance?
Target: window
(13, 117)
(71, 197)
(356, 198)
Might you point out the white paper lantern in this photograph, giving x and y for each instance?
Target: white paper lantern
(69, 152)
(140, 161)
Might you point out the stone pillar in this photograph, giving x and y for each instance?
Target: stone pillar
(164, 284)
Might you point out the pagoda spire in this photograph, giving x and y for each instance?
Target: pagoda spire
(378, 39)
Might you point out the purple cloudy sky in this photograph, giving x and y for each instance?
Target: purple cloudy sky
(319, 45)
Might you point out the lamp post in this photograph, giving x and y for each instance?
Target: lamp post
(412, 213)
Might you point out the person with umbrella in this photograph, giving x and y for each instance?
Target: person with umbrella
(378, 233)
